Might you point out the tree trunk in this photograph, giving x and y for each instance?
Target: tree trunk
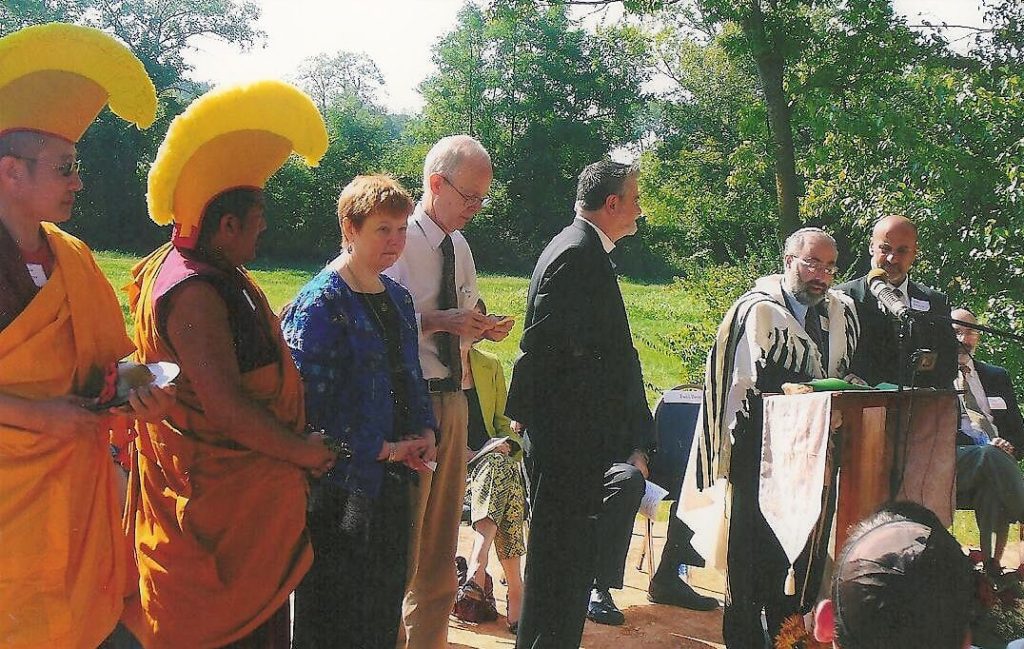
(771, 67)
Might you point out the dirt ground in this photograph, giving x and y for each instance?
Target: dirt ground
(648, 626)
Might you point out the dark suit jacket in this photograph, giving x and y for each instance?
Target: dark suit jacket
(996, 382)
(875, 357)
(577, 387)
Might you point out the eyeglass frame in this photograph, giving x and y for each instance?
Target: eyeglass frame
(65, 169)
(887, 250)
(480, 201)
(817, 266)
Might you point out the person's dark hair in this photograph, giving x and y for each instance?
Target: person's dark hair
(902, 580)
(238, 201)
(600, 180)
(21, 144)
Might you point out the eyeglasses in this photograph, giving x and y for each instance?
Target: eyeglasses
(817, 266)
(65, 168)
(470, 200)
(888, 250)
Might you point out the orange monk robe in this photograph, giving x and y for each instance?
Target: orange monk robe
(64, 561)
(219, 529)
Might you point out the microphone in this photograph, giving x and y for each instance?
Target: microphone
(887, 297)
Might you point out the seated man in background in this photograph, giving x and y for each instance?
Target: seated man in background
(989, 444)
(900, 581)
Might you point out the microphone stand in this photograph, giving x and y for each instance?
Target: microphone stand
(902, 335)
(935, 317)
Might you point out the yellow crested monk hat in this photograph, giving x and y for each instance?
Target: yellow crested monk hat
(230, 138)
(55, 79)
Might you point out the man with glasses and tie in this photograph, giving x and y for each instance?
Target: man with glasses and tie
(893, 249)
(437, 268)
(991, 439)
(789, 328)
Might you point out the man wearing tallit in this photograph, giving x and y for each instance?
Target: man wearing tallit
(65, 568)
(789, 328)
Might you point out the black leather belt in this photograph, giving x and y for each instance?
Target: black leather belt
(437, 386)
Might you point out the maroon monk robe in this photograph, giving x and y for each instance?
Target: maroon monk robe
(16, 286)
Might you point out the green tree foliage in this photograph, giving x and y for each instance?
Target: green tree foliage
(545, 97)
(301, 202)
(111, 209)
(329, 77)
(707, 181)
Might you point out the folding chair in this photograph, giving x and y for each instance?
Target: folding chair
(675, 421)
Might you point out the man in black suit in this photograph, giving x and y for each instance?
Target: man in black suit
(990, 442)
(893, 248)
(578, 390)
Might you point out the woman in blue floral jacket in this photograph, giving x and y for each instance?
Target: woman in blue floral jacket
(353, 335)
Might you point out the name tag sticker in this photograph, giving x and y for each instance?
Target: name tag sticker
(996, 403)
(920, 305)
(683, 396)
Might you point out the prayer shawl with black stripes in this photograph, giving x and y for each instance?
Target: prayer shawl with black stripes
(759, 329)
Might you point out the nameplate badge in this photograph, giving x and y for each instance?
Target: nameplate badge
(919, 305)
(996, 403)
(683, 396)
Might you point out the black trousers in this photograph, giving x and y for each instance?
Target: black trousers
(352, 595)
(678, 548)
(580, 529)
(757, 564)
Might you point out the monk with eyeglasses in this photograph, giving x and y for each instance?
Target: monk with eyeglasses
(65, 566)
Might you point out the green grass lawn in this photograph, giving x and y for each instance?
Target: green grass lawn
(657, 315)
(653, 308)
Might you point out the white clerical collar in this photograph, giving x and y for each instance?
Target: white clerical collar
(435, 235)
(606, 243)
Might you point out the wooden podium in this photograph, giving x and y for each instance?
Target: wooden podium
(876, 465)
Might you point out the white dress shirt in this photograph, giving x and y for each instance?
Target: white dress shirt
(419, 271)
(973, 383)
(606, 242)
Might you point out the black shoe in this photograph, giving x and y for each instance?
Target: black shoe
(602, 608)
(677, 592)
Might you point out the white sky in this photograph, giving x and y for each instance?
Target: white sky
(398, 35)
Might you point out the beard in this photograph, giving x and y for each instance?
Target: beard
(806, 293)
(807, 297)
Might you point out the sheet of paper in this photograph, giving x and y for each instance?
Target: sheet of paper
(491, 444)
(653, 494)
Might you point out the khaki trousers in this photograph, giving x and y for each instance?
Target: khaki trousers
(437, 510)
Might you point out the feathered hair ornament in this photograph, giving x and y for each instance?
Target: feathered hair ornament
(231, 137)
